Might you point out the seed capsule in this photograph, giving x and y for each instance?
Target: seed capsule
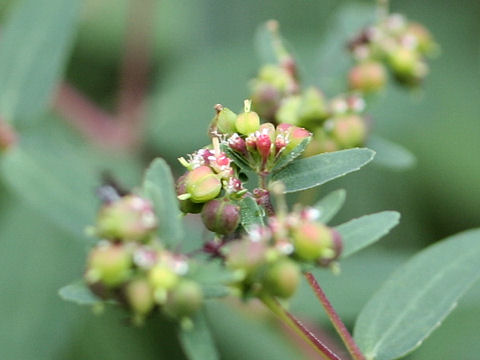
(367, 77)
(310, 239)
(139, 296)
(282, 278)
(349, 131)
(184, 300)
(221, 216)
(108, 264)
(202, 184)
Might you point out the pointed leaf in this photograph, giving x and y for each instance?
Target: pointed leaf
(330, 205)
(391, 155)
(251, 213)
(237, 159)
(418, 296)
(197, 343)
(35, 43)
(78, 293)
(284, 160)
(359, 233)
(158, 186)
(319, 169)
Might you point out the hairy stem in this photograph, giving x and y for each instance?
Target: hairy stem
(298, 327)
(335, 319)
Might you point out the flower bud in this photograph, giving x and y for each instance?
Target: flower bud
(139, 296)
(296, 135)
(131, 218)
(238, 144)
(186, 205)
(425, 43)
(184, 299)
(161, 277)
(367, 77)
(108, 264)
(266, 100)
(310, 239)
(247, 122)
(221, 216)
(246, 256)
(202, 184)
(313, 109)
(225, 120)
(282, 278)
(334, 250)
(403, 61)
(349, 131)
(264, 145)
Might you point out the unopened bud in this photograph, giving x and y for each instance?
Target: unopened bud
(288, 112)
(186, 205)
(313, 109)
(109, 265)
(202, 184)
(310, 239)
(221, 216)
(184, 299)
(247, 122)
(238, 144)
(367, 77)
(282, 278)
(139, 296)
(161, 277)
(425, 43)
(246, 255)
(349, 131)
(225, 120)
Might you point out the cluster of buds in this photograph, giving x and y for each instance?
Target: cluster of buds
(269, 258)
(211, 186)
(396, 43)
(130, 265)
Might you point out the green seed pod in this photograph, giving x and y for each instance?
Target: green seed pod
(310, 239)
(184, 299)
(221, 216)
(202, 184)
(225, 120)
(289, 110)
(186, 205)
(266, 99)
(161, 277)
(349, 131)
(282, 278)
(247, 122)
(425, 43)
(109, 265)
(367, 77)
(313, 108)
(139, 296)
(129, 219)
(403, 61)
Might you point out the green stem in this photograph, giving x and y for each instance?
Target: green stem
(298, 327)
(340, 327)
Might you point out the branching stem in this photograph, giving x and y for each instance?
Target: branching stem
(335, 319)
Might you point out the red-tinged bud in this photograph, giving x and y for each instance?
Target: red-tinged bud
(334, 251)
(202, 184)
(424, 39)
(237, 144)
(139, 295)
(280, 143)
(310, 239)
(296, 136)
(184, 299)
(264, 145)
(131, 218)
(186, 206)
(251, 143)
(221, 216)
(246, 256)
(266, 99)
(109, 264)
(282, 278)
(367, 77)
(349, 131)
(283, 128)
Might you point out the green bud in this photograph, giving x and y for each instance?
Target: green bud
(139, 296)
(282, 278)
(186, 205)
(367, 77)
(109, 264)
(161, 277)
(310, 239)
(129, 219)
(202, 184)
(403, 61)
(313, 109)
(225, 120)
(266, 100)
(221, 216)
(247, 122)
(246, 256)
(425, 43)
(349, 131)
(184, 299)
(275, 75)
(288, 113)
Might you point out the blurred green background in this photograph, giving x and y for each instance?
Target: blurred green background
(203, 55)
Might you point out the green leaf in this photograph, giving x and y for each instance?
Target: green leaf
(330, 205)
(319, 169)
(264, 45)
(391, 155)
(284, 160)
(359, 233)
(197, 343)
(418, 296)
(237, 159)
(333, 60)
(79, 293)
(251, 213)
(158, 186)
(35, 43)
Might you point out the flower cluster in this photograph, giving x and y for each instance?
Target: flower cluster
(131, 266)
(268, 259)
(400, 45)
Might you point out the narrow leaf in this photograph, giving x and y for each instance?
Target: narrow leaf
(319, 169)
(78, 293)
(197, 343)
(359, 233)
(330, 205)
(292, 155)
(391, 155)
(251, 213)
(237, 159)
(418, 296)
(159, 187)
(35, 44)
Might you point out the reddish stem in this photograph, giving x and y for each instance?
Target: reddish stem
(342, 330)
